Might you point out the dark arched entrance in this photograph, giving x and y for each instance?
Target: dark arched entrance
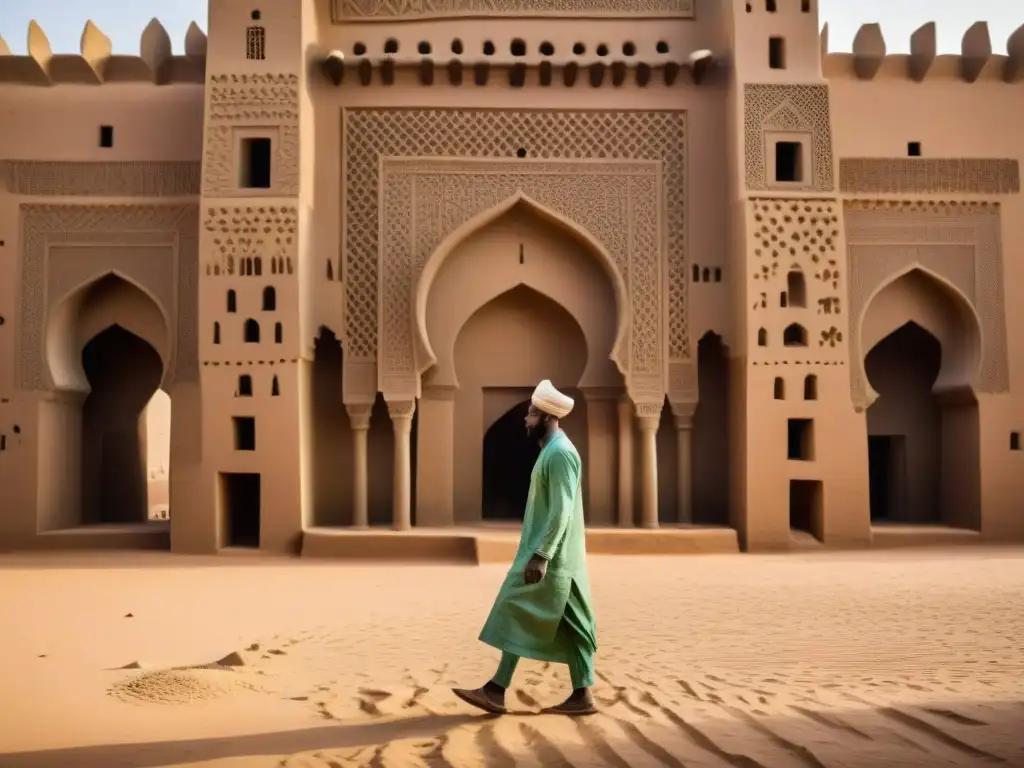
(509, 456)
(123, 372)
(710, 462)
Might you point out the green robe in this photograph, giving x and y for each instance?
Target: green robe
(525, 618)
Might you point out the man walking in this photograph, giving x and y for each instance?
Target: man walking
(543, 608)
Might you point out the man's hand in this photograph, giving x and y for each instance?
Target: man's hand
(535, 569)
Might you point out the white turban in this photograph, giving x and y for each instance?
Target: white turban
(548, 399)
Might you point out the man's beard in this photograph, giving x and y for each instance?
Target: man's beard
(537, 431)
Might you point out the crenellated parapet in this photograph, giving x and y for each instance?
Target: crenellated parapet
(96, 64)
(975, 62)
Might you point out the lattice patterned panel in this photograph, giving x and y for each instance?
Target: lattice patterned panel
(787, 108)
(926, 175)
(39, 178)
(376, 10)
(145, 225)
(425, 201)
(957, 241)
(370, 134)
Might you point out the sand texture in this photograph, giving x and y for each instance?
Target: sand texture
(875, 659)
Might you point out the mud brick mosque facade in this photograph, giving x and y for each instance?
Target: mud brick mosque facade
(346, 238)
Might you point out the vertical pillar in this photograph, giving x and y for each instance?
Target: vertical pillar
(683, 414)
(601, 455)
(649, 417)
(435, 457)
(626, 464)
(359, 418)
(401, 412)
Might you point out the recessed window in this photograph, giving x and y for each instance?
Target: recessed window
(602, 50)
(245, 432)
(517, 47)
(579, 49)
(661, 47)
(106, 136)
(547, 49)
(628, 49)
(488, 48)
(256, 15)
(762, 337)
(796, 288)
(805, 6)
(216, 333)
(423, 48)
(278, 333)
(275, 388)
(251, 332)
(777, 52)
(391, 45)
(1015, 441)
(457, 47)
(795, 335)
(232, 301)
(359, 49)
(788, 161)
(914, 149)
(811, 387)
(255, 163)
(255, 43)
(245, 385)
(769, 5)
(800, 436)
(780, 388)
(269, 299)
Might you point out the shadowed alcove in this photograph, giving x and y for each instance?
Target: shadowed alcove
(332, 436)
(509, 456)
(923, 431)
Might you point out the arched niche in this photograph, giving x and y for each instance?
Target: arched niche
(92, 307)
(920, 296)
(521, 242)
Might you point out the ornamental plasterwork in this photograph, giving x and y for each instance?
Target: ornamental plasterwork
(252, 105)
(129, 178)
(927, 175)
(792, 108)
(389, 10)
(155, 246)
(959, 242)
(616, 202)
(372, 134)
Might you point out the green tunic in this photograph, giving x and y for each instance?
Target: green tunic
(525, 618)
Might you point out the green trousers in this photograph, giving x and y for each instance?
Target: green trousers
(581, 658)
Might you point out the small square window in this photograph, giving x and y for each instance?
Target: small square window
(789, 161)
(800, 439)
(106, 136)
(914, 149)
(245, 433)
(255, 165)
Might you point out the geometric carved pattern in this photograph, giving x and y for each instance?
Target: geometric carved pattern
(269, 103)
(921, 176)
(788, 108)
(267, 233)
(424, 201)
(173, 280)
(389, 10)
(40, 178)
(371, 134)
(960, 242)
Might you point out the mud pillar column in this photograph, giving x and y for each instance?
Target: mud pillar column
(359, 418)
(626, 463)
(683, 416)
(601, 458)
(649, 417)
(401, 412)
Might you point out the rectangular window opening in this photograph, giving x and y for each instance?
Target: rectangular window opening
(805, 6)
(245, 432)
(106, 136)
(777, 53)
(788, 161)
(913, 149)
(800, 440)
(770, 6)
(1014, 441)
(255, 168)
(240, 509)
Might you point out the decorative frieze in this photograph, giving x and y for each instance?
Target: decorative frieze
(394, 10)
(39, 178)
(926, 175)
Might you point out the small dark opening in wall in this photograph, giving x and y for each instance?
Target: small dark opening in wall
(240, 499)
(661, 47)
(359, 49)
(488, 48)
(251, 332)
(579, 49)
(800, 440)
(783, 300)
(811, 387)
(517, 47)
(275, 388)
(3, 442)
(269, 299)
(216, 333)
(629, 49)
(457, 47)
(769, 6)
(255, 163)
(780, 388)
(913, 149)
(423, 48)
(718, 274)
(278, 333)
(805, 6)
(788, 161)
(1015, 441)
(232, 301)
(602, 50)
(696, 273)
(255, 15)
(547, 49)
(521, 152)
(391, 45)
(750, 8)
(107, 136)
(762, 337)
(777, 52)
(2, 321)
(245, 385)
(245, 432)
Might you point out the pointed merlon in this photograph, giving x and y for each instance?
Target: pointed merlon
(823, 39)
(975, 50)
(155, 48)
(868, 51)
(1014, 66)
(195, 42)
(38, 44)
(95, 45)
(5, 50)
(923, 48)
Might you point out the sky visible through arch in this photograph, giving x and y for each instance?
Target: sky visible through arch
(124, 20)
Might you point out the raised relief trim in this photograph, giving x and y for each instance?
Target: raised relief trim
(172, 281)
(250, 106)
(39, 178)
(370, 134)
(959, 242)
(922, 176)
(389, 10)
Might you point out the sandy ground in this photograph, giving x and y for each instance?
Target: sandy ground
(882, 659)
